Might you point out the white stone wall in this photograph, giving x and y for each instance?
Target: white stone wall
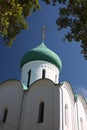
(62, 111)
(41, 91)
(77, 109)
(55, 98)
(67, 107)
(36, 67)
(10, 98)
(81, 112)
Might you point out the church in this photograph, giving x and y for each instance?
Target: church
(39, 101)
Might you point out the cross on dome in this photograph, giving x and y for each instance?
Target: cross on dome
(43, 32)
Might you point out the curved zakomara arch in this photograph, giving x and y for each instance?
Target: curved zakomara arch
(83, 101)
(80, 97)
(41, 82)
(11, 82)
(69, 89)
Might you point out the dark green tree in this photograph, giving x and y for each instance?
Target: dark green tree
(13, 14)
(73, 15)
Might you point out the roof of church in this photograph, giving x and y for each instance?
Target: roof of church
(76, 96)
(41, 52)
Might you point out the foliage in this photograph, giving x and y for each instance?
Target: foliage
(73, 15)
(13, 15)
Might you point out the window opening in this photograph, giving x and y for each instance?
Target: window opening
(41, 112)
(29, 75)
(66, 115)
(5, 115)
(56, 78)
(43, 73)
(81, 123)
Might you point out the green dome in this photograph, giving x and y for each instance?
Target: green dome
(41, 52)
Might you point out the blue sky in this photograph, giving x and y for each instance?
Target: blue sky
(74, 68)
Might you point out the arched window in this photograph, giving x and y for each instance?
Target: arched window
(41, 112)
(28, 81)
(81, 123)
(56, 78)
(5, 115)
(66, 115)
(43, 73)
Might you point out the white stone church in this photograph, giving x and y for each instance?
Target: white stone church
(39, 101)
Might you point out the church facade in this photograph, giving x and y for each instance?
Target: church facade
(39, 101)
